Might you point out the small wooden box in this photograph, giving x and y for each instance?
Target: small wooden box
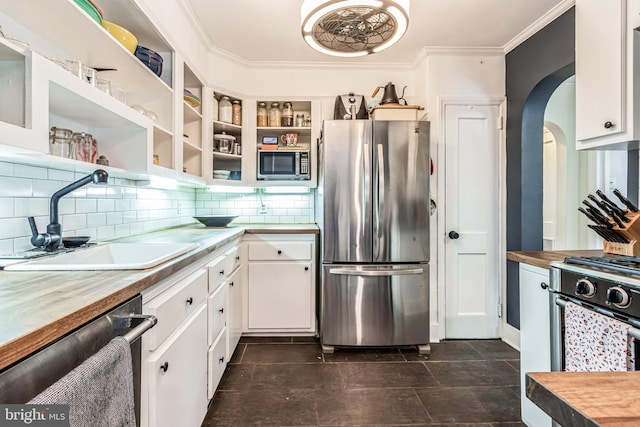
(395, 112)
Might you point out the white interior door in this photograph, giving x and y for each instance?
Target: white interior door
(472, 282)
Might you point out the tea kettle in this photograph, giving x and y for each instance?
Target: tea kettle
(389, 96)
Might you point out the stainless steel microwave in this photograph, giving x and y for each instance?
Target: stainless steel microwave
(284, 164)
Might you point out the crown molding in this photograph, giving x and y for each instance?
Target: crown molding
(195, 24)
(539, 24)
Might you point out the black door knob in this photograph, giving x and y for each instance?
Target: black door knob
(453, 235)
(608, 125)
(164, 366)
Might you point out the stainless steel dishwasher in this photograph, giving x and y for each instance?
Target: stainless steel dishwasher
(23, 380)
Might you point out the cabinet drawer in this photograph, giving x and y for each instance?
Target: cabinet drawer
(173, 306)
(231, 261)
(217, 362)
(272, 251)
(216, 273)
(217, 312)
(178, 376)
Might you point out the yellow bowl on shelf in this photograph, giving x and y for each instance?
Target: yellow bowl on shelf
(124, 36)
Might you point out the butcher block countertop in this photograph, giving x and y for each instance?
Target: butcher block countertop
(577, 399)
(543, 258)
(38, 307)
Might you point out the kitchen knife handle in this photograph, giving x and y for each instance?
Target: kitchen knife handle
(625, 201)
(608, 201)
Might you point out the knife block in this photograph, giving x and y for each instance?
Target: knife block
(631, 231)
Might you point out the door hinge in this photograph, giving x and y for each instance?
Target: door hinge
(499, 310)
(500, 122)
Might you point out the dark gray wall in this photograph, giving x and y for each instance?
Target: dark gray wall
(533, 71)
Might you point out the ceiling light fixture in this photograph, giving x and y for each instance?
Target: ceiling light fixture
(352, 28)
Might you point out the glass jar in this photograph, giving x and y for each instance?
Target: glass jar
(299, 120)
(236, 110)
(275, 115)
(225, 110)
(83, 146)
(262, 116)
(61, 143)
(287, 115)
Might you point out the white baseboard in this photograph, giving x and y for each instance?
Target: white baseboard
(511, 336)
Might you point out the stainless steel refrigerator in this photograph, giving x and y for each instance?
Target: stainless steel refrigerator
(373, 212)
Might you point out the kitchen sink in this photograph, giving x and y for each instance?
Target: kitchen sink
(108, 256)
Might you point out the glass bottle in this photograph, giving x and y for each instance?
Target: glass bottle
(236, 113)
(287, 115)
(262, 115)
(300, 120)
(225, 113)
(275, 115)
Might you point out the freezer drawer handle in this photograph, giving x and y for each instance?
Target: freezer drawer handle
(376, 272)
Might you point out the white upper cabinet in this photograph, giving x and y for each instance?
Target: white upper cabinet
(606, 42)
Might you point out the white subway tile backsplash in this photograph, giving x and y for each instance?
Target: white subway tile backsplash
(26, 171)
(34, 206)
(106, 205)
(122, 208)
(6, 207)
(95, 220)
(86, 205)
(6, 169)
(16, 187)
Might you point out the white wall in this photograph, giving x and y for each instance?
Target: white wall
(443, 76)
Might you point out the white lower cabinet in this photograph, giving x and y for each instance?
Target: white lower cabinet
(280, 295)
(186, 353)
(177, 376)
(535, 336)
(234, 316)
(281, 284)
(217, 362)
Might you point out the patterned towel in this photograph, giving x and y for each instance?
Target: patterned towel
(99, 392)
(594, 342)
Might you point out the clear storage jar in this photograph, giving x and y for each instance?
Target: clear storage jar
(225, 110)
(61, 143)
(262, 115)
(236, 112)
(275, 115)
(287, 115)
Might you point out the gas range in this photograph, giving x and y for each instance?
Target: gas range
(611, 283)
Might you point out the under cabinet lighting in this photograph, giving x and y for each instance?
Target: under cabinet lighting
(286, 190)
(230, 189)
(159, 182)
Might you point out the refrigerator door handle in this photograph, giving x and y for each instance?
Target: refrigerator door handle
(366, 185)
(376, 272)
(380, 187)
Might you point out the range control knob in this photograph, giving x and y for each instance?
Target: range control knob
(585, 288)
(617, 296)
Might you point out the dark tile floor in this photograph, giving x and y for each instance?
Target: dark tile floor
(289, 382)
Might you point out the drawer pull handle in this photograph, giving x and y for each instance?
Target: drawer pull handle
(279, 252)
(543, 285)
(221, 360)
(164, 367)
(221, 310)
(306, 269)
(222, 272)
(190, 301)
(608, 125)
(238, 258)
(231, 283)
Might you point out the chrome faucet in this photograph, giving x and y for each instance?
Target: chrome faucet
(50, 240)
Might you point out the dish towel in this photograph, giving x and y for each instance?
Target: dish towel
(99, 391)
(594, 342)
